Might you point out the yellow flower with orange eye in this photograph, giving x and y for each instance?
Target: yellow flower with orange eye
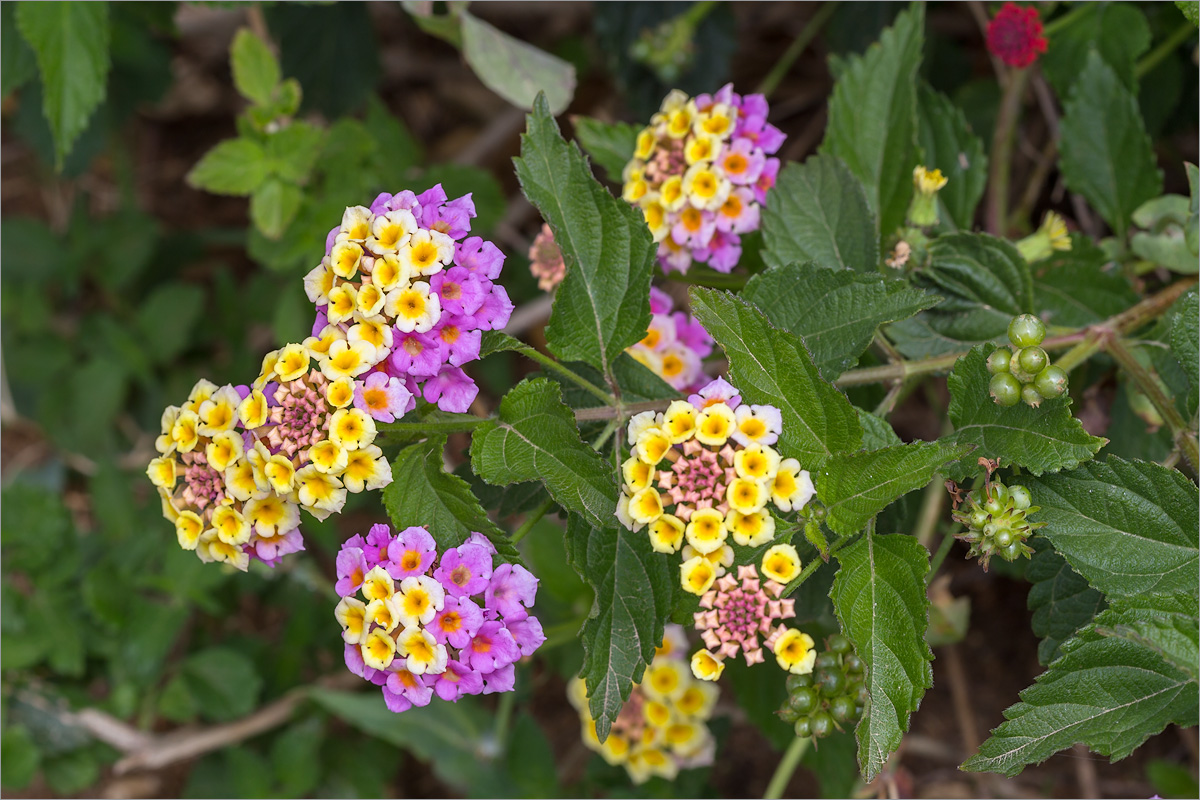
(645, 506)
(343, 302)
(652, 446)
(781, 563)
(345, 258)
(413, 307)
(319, 493)
(351, 614)
(188, 529)
(706, 666)
(375, 332)
(638, 474)
(378, 649)
(704, 188)
(697, 575)
(795, 652)
(366, 469)
(356, 224)
(388, 273)
(230, 526)
(793, 487)
(162, 472)
(706, 530)
(271, 515)
(714, 425)
(746, 496)
(756, 462)
(666, 534)
(319, 282)
(426, 253)
(679, 421)
(391, 231)
(751, 530)
(702, 149)
(224, 449)
(348, 359)
(351, 428)
(253, 410)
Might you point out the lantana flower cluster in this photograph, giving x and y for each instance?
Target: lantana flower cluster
(662, 726)
(700, 173)
(238, 463)
(418, 622)
(703, 472)
(1014, 35)
(404, 289)
(675, 344)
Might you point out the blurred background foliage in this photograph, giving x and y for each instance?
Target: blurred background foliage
(124, 281)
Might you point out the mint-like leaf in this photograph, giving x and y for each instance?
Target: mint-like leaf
(773, 367)
(1106, 155)
(951, 146)
(423, 493)
(879, 594)
(817, 211)
(255, 70)
(609, 144)
(1185, 336)
(856, 486)
(633, 588)
(873, 118)
(1128, 527)
(1081, 286)
(71, 42)
(235, 166)
(516, 70)
(1043, 439)
(535, 439)
(835, 312)
(1167, 624)
(603, 304)
(1059, 597)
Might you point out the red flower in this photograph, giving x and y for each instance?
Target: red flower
(1015, 35)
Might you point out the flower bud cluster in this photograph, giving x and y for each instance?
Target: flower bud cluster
(402, 286)
(662, 726)
(996, 520)
(1025, 373)
(700, 174)
(703, 472)
(829, 697)
(419, 622)
(675, 345)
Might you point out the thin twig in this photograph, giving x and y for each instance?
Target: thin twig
(795, 49)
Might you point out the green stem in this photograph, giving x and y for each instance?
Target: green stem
(931, 510)
(1058, 23)
(549, 363)
(563, 633)
(534, 517)
(814, 565)
(935, 563)
(1184, 438)
(426, 428)
(696, 14)
(504, 711)
(611, 412)
(787, 767)
(795, 49)
(1152, 59)
(1000, 161)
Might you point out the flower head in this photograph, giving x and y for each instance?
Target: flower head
(674, 345)
(1015, 35)
(738, 611)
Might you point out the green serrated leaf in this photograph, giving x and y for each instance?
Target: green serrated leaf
(1106, 155)
(535, 439)
(255, 70)
(273, 205)
(1190, 10)
(71, 42)
(1081, 286)
(856, 486)
(292, 151)
(773, 367)
(1117, 32)
(834, 312)
(1185, 335)
(950, 145)
(877, 432)
(1059, 597)
(1044, 439)
(18, 64)
(516, 70)
(879, 594)
(1128, 527)
(603, 304)
(873, 117)
(1167, 624)
(1109, 693)
(817, 211)
(235, 166)
(423, 493)
(609, 144)
(633, 588)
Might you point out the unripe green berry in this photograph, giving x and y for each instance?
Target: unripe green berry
(804, 700)
(838, 643)
(852, 663)
(1012, 552)
(803, 727)
(795, 682)
(842, 708)
(821, 724)
(787, 715)
(998, 361)
(1003, 537)
(1032, 360)
(1005, 389)
(979, 518)
(1051, 382)
(999, 491)
(1021, 497)
(831, 682)
(863, 695)
(826, 660)
(1031, 396)
(1026, 331)
(991, 529)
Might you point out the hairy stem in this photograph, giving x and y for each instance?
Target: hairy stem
(795, 49)
(580, 381)
(1152, 59)
(787, 767)
(534, 517)
(1000, 161)
(1184, 438)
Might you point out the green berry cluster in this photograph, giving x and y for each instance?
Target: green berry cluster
(1025, 373)
(830, 696)
(996, 520)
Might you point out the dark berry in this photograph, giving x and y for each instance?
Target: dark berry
(1005, 389)
(838, 643)
(804, 700)
(1051, 382)
(1026, 331)
(821, 724)
(998, 361)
